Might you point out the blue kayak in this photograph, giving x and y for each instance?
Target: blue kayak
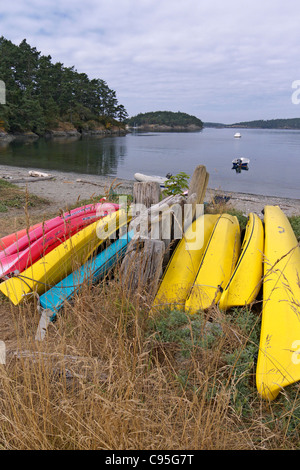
(53, 300)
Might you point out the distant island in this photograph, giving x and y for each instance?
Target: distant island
(293, 123)
(165, 121)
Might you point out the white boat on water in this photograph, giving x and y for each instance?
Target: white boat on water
(157, 179)
(237, 135)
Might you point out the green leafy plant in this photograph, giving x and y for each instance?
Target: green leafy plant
(242, 359)
(188, 331)
(295, 223)
(176, 184)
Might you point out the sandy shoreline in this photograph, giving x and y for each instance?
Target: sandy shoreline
(67, 188)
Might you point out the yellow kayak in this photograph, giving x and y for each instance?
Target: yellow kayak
(245, 282)
(217, 264)
(182, 268)
(61, 261)
(278, 362)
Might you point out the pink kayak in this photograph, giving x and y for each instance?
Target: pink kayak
(18, 262)
(25, 239)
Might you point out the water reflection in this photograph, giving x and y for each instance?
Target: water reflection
(161, 153)
(238, 169)
(88, 155)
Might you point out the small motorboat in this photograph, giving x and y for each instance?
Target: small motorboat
(237, 135)
(157, 179)
(240, 163)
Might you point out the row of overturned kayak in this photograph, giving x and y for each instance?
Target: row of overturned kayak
(224, 268)
(227, 273)
(52, 259)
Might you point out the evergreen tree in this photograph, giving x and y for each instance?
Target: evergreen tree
(40, 94)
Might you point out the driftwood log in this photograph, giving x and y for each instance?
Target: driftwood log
(30, 180)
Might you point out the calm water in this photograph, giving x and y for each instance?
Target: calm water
(274, 157)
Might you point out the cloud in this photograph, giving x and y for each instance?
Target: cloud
(213, 59)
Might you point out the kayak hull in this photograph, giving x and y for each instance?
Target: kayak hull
(217, 264)
(20, 240)
(245, 282)
(278, 362)
(179, 275)
(20, 260)
(90, 272)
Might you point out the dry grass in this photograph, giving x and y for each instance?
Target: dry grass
(105, 377)
(15, 204)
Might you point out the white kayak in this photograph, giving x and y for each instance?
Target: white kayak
(157, 179)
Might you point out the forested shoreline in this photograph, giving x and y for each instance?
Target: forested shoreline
(47, 98)
(42, 96)
(292, 123)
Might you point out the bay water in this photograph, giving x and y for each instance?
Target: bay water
(274, 168)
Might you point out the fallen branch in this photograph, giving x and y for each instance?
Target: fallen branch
(31, 180)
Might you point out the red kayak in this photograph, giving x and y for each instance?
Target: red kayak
(17, 261)
(18, 241)
(8, 240)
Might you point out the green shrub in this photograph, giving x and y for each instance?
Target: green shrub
(176, 184)
(295, 223)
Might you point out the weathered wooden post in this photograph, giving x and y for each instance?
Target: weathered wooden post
(197, 188)
(146, 193)
(141, 267)
(148, 251)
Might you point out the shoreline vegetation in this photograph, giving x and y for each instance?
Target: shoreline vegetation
(68, 130)
(289, 124)
(43, 97)
(63, 130)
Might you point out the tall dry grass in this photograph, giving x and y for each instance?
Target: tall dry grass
(106, 378)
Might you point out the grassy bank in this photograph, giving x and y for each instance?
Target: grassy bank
(109, 376)
(12, 197)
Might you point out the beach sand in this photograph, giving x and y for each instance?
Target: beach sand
(67, 189)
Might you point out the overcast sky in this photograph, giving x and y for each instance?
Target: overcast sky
(220, 60)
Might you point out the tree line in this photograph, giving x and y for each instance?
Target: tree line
(40, 93)
(292, 123)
